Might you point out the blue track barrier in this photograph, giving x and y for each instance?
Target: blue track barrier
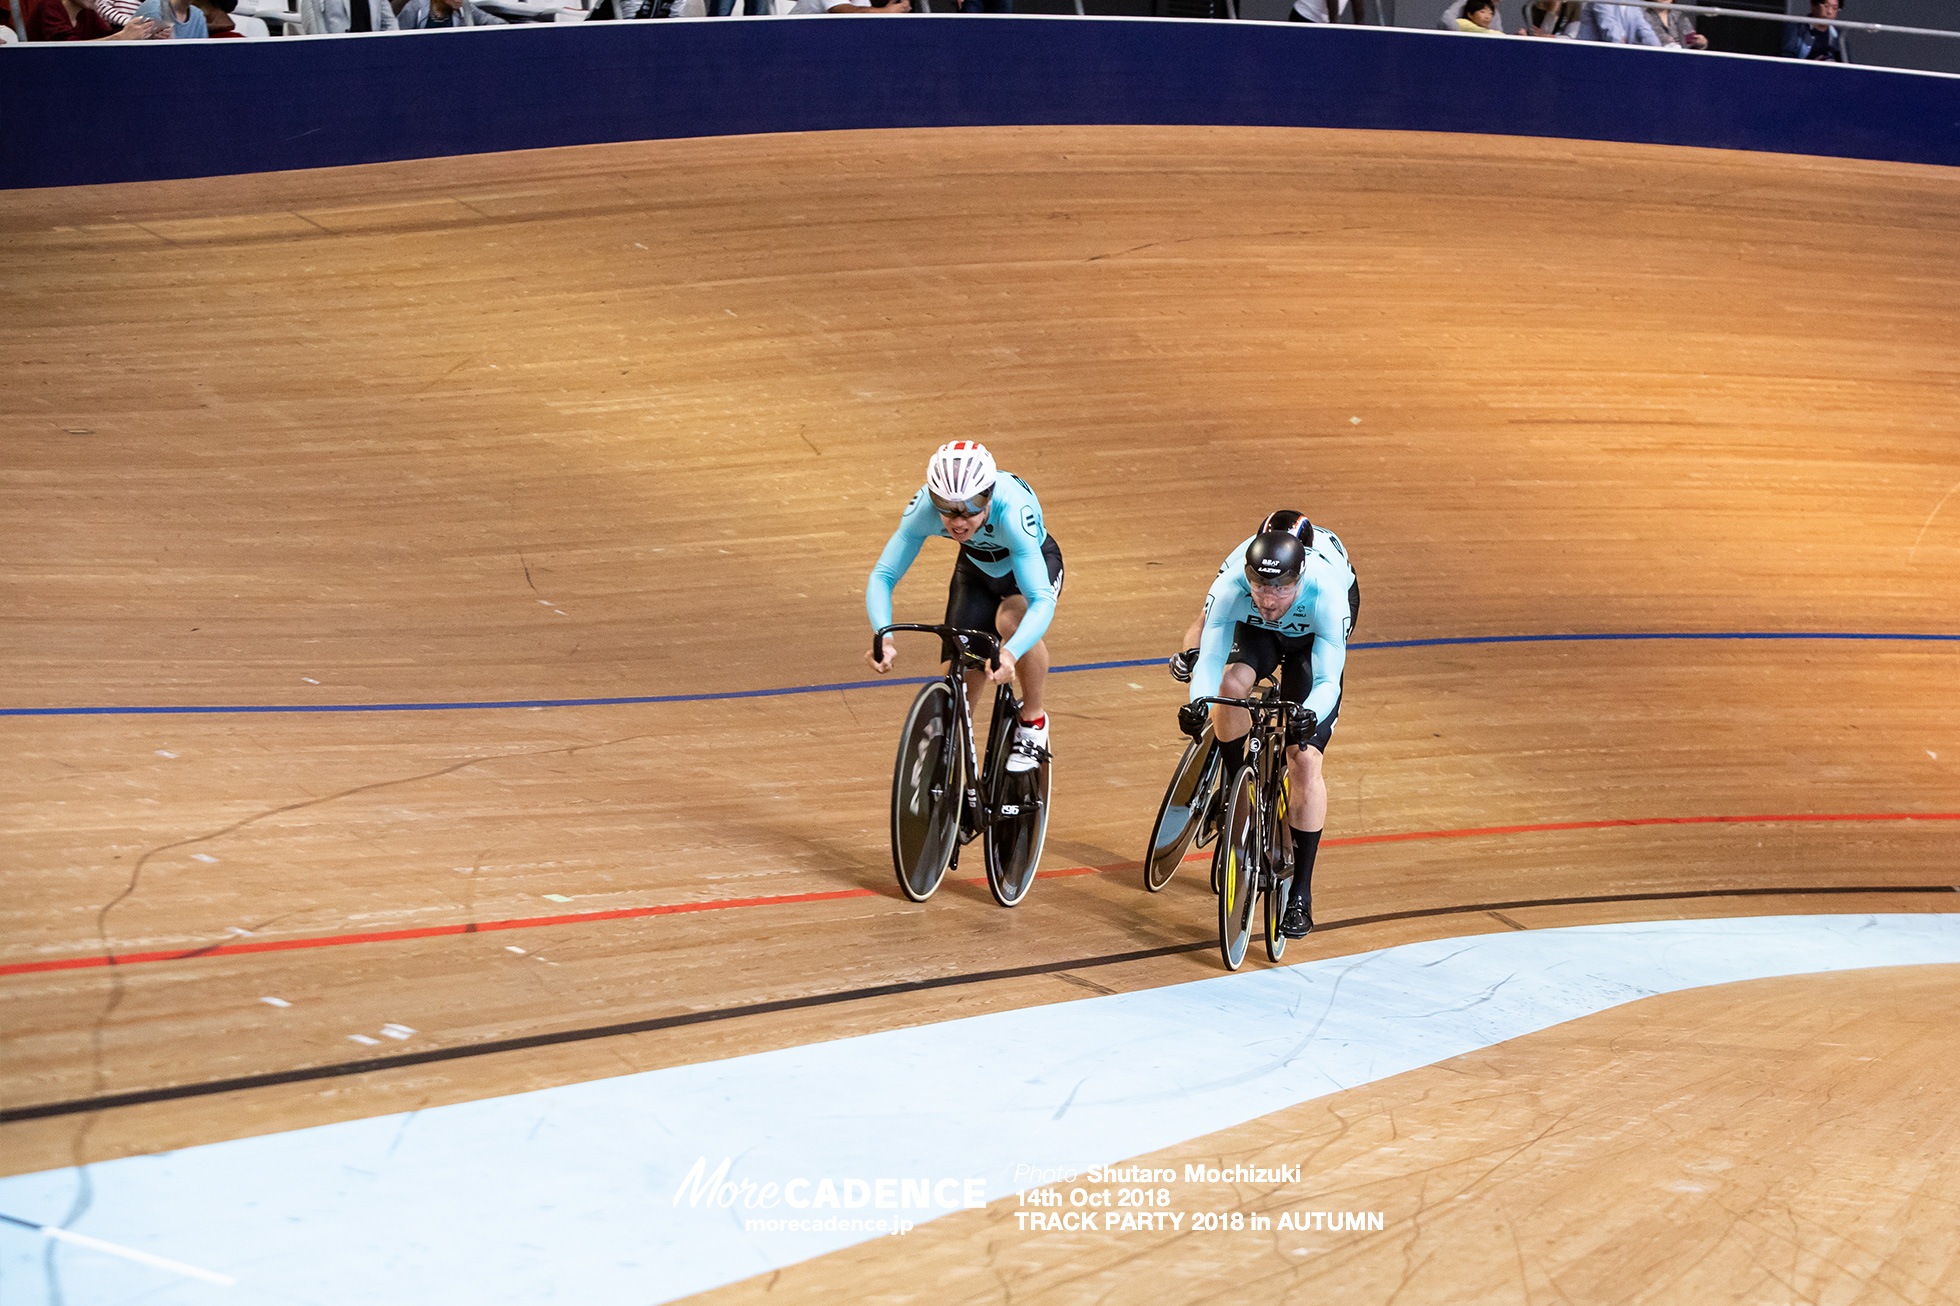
(102, 113)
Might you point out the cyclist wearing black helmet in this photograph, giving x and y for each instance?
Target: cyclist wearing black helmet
(1285, 600)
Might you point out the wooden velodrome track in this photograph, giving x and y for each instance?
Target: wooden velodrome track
(633, 421)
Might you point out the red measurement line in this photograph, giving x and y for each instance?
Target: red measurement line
(426, 932)
(724, 904)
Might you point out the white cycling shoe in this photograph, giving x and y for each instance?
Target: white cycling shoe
(1030, 745)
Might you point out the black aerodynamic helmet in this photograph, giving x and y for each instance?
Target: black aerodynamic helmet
(1274, 558)
(1293, 523)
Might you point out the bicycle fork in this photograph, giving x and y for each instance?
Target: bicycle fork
(971, 816)
(1272, 818)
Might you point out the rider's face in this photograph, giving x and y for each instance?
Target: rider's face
(1273, 600)
(963, 528)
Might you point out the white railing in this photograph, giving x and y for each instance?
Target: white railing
(1846, 24)
(284, 14)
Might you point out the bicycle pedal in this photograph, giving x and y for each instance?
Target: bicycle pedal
(1034, 758)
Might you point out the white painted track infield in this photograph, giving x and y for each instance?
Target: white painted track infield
(572, 1194)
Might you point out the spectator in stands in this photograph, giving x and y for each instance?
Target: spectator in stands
(831, 7)
(117, 13)
(221, 21)
(70, 20)
(1479, 17)
(444, 13)
(1315, 11)
(318, 17)
(184, 19)
(1815, 40)
(1552, 18)
(606, 10)
(1453, 15)
(1675, 28)
(1617, 25)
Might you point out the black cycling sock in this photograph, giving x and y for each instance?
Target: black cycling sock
(1306, 846)
(1233, 751)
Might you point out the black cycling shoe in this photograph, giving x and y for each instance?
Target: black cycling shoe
(1297, 923)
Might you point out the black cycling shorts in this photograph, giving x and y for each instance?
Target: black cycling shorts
(974, 597)
(1292, 656)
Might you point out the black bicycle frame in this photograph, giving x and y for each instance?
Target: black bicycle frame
(1270, 717)
(963, 650)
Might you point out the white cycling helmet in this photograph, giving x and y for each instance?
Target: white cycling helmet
(960, 477)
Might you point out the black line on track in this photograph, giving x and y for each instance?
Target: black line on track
(210, 1088)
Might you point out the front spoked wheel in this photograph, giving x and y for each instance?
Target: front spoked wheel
(1015, 835)
(1276, 871)
(927, 785)
(1238, 870)
(1182, 811)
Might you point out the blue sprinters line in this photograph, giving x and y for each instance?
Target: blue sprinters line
(915, 680)
(457, 707)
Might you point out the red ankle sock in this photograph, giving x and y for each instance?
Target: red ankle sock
(1037, 723)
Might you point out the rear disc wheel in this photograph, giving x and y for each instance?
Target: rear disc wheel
(1015, 836)
(1181, 811)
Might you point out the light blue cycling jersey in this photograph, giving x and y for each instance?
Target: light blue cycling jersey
(1321, 610)
(1009, 542)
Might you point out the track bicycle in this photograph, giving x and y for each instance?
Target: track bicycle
(942, 799)
(1254, 859)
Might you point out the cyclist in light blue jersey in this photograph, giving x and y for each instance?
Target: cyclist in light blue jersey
(1285, 599)
(1006, 580)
